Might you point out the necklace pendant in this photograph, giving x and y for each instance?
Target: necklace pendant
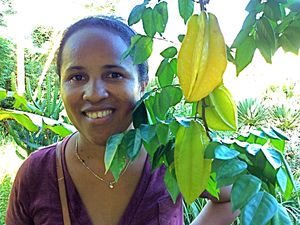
(111, 185)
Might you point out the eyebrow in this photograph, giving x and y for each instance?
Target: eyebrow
(109, 66)
(113, 67)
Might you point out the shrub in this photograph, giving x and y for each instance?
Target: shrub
(285, 117)
(251, 112)
(5, 187)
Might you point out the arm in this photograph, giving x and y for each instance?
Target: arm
(217, 212)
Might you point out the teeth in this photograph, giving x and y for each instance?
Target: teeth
(100, 114)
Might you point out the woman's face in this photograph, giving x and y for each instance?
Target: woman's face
(98, 90)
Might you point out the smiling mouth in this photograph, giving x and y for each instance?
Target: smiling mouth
(99, 114)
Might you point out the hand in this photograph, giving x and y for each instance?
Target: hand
(217, 211)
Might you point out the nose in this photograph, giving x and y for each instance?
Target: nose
(95, 91)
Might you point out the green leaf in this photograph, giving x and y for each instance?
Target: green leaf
(162, 131)
(170, 153)
(148, 22)
(290, 38)
(254, 6)
(280, 133)
(133, 142)
(273, 10)
(158, 158)
(282, 179)
(240, 197)
(249, 22)
(181, 37)
(130, 51)
(168, 97)
(152, 146)
(240, 38)
(273, 157)
(186, 9)
(281, 217)
(169, 52)
(147, 132)
(111, 149)
(260, 209)
(150, 102)
(22, 119)
(212, 187)
(61, 130)
(119, 161)
(265, 39)
(291, 184)
(171, 184)
(219, 151)
(139, 115)
(165, 73)
(142, 50)
(2, 94)
(226, 169)
(270, 133)
(136, 14)
(160, 16)
(173, 65)
(244, 54)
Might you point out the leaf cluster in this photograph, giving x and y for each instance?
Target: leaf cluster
(269, 25)
(31, 125)
(254, 160)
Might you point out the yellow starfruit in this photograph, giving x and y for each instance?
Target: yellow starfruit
(202, 57)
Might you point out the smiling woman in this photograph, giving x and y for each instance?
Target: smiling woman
(66, 183)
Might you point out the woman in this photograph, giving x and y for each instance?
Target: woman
(99, 91)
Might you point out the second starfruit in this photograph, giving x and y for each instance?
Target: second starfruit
(220, 110)
(202, 57)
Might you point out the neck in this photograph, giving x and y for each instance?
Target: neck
(91, 153)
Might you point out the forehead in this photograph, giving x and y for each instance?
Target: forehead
(94, 42)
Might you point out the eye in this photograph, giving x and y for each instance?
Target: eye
(77, 77)
(114, 75)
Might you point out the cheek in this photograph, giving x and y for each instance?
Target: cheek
(132, 93)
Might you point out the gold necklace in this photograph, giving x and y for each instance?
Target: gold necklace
(110, 184)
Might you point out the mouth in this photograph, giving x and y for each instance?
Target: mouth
(99, 114)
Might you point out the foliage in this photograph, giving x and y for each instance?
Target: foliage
(34, 62)
(268, 26)
(40, 35)
(251, 112)
(285, 117)
(192, 211)
(5, 187)
(39, 121)
(7, 63)
(292, 206)
(254, 160)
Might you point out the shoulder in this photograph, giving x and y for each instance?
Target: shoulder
(41, 156)
(35, 164)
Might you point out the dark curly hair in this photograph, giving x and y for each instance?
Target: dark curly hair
(110, 23)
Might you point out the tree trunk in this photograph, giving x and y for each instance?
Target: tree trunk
(50, 58)
(20, 65)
